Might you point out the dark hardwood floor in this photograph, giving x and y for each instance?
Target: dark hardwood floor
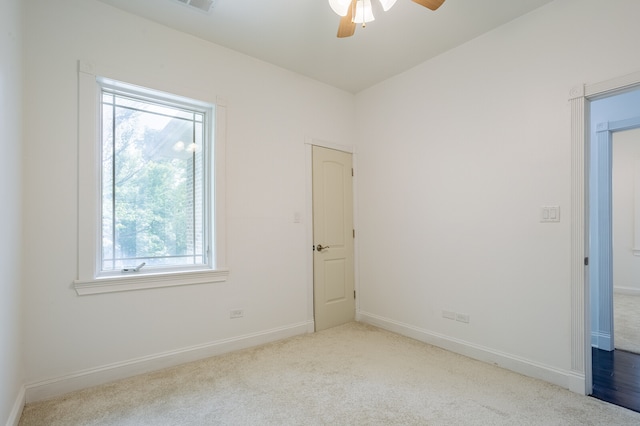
(616, 377)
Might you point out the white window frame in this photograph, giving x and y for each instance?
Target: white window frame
(89, 278)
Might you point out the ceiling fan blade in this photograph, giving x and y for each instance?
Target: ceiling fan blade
(347, 27)
(430, 4)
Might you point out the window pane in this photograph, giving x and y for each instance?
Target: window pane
(153, 188)
(158, 109)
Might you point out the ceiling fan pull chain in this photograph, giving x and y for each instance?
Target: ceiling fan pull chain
(364, 9)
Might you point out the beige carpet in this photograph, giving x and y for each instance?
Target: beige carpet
(349, 375)
(626, 322)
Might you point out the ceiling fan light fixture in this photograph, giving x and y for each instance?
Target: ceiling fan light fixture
(387, 4)
(201, 5)
(340, 7)
(364, 13)
(354, 12)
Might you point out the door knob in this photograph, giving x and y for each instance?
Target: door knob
(320, 247)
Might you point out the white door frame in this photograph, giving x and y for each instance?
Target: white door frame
(579, 98)
(309, 143)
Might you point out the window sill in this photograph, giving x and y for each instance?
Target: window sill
(142, 282)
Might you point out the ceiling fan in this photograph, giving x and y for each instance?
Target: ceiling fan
(359, 12)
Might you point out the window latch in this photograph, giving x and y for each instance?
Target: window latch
(136, 269)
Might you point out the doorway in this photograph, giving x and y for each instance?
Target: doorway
(612, 242)
(613, 188)
(615, 233)
(580, 99)
(333, 238)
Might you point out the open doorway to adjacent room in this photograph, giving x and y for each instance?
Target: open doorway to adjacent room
(614, 246)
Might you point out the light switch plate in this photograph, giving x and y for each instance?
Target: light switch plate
(550, 214)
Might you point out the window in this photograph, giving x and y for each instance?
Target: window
(154, 204)
(150, 188)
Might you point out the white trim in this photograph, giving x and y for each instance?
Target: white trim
(580, 319)
(330, 145)
(88, 177)
(610, 87)
(18, 406)
(564, 378)
(88, 280)
(604, 248)
(119, 370)
(116, 284)
(309, 229)
(602, 340)
(220, 183)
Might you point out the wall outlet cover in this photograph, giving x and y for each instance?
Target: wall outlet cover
(236, 313)
(462, 318)
(449, 315)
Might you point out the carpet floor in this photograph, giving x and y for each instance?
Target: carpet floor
(354, 374)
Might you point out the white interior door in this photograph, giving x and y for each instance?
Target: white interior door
(333, 267)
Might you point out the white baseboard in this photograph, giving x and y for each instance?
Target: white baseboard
(18, 406)
(311, 326)
(567, 379)
(601, 341)
(629, 291)
(56, 386)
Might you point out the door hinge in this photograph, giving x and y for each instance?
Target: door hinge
(354, 233)
(586, 261)
(354, 294)
(352, 172)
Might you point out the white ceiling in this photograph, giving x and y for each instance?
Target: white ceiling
(300, 35)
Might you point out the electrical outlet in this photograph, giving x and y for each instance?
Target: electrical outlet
(236, 313)
(449, 315)
(462, 318)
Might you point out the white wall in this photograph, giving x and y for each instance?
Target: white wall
(11, 377)
(270, 112)
(625, 193)
(456, 158)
